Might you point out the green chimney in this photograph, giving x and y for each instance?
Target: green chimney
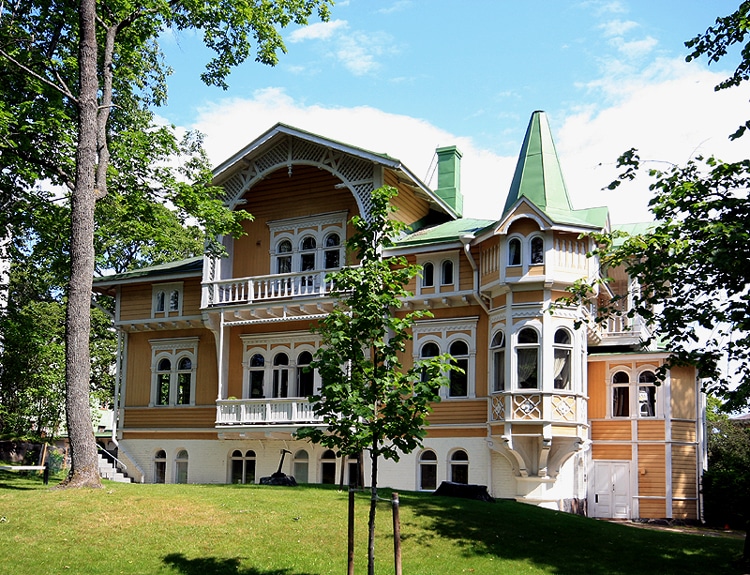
(449, 178)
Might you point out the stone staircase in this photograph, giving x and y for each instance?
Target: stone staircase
(107, 470)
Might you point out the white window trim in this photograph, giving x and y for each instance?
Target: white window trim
(295, 230)
(513, 342)
(173, 349)
(167, 289)
(437, 260)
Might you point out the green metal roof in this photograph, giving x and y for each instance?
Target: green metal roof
(190, 266)
(445, 232)
(538, 178)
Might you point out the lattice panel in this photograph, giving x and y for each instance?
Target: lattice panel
(563, 408)
(498, 408)
(527, 407)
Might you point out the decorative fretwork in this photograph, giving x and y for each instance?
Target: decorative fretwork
(527, 407)
(498, 408)
(563, 408)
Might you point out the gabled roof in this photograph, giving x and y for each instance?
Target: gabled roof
(538, 179)
(191, 267)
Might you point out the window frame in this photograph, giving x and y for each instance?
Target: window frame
(498, 350)
(422, 465)
(167, 299)
(566, 348)
(458, 465)
(525, 346)
(319, 228)
(175, 350)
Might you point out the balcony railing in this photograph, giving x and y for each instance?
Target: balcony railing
(289, 411)
(538, 406)
(258, 289)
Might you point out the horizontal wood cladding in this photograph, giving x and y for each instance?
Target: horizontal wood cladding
(191, 297)
(684, 432)
(597, 407)
(181, 435)
(307, 192)
(435, 432)
(615, 451)
(528, 296)
(410, 208)
(651, 430)
(684, 475)
(652, 508)
(169, 417)
(459, 412)
(684, 392)
(652, 474)
(611, 430)
(524, 226)
(685, 509)
(135, 302)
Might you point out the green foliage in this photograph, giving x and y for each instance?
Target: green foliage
(368, 401)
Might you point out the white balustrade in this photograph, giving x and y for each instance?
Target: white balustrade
(267, 288)
(290, 411)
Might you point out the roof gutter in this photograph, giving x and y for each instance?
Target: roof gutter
(466, 241)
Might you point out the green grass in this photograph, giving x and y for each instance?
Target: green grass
(258, 530)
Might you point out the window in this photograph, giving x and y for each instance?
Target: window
(281, 375)
(459, 382)
(166, 300)
(429, 350)
(257, 370)
(514, 252)
(428, 275)
(647, 394)
(527, 358)
(620, 394)
(497, 349)
(284, 257)
(307, 254)
(459, 467)
(537, 250)
(301, 466)
(332, 253)
(160, 466)
(173, 371)
(305, 375)
(446, 273)
(428, 471)
(563, 350)
(328, 467)
(181, 467)
(243, 466)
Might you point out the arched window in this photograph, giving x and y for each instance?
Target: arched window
(243, 466)
(307, 254)
(428, 275)
(159, 305)
(184, 381)
(174, 300)
(537, 250)
(328, 467)
(301, 466)
(497, 349)
(459, 467)
(446, 273)
(621, 394)
(514, 252)
(284, 257)
(459, 382)
(305, 375)
(163, 381)
(160, 466)
(430, 349)
(428, 471)
(527, 359)
(647, 394)
(332, 255)
(563, 353)
(181, 467)
(256, 375)
(281, 375)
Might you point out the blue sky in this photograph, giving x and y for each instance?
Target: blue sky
(406, 76)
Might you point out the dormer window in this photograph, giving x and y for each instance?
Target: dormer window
(514, 252)
(537, 250)
(446, 273)
(166, 299)
(428, 275)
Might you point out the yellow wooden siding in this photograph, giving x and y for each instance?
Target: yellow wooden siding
(651, 430)
(527, 296)
(489, 259)
(458, 412)
(161, 435)
(170, 417)
(685, 509)
(652, 475)
(684, 393)
(598, 399)
(191, 297)
(410, 208)
(434, 432)
(611, 430)
(523, 226)
(465, 274)
(499, 301)
(616, 451)
(684, 471)
(278, 197)
(684, 431)
(135, 302)
(536, 271)
(652, 508)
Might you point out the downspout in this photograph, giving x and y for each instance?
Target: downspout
(466, 241)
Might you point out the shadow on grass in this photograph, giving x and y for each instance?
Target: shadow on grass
(216, 566)
(564, 543)
(20, 481)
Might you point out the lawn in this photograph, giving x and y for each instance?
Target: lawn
(260, 530)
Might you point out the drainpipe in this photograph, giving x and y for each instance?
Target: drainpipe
(466, 241)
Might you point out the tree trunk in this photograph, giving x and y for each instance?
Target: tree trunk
(373, 508)
(84, 470)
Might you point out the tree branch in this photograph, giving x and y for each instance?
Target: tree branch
(62, 88)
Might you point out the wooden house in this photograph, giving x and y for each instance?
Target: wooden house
(212, 384)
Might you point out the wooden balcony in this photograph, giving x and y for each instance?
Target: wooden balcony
(532, 405)
(251, 412)
(266, 289)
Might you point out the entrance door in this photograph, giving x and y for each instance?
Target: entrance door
(611, 497)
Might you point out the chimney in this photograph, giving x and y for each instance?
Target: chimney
(449, 178)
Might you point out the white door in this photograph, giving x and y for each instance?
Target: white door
(611, 496)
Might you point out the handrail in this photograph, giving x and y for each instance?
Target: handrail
(100, 448)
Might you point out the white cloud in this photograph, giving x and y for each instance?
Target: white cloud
(636, 48)
(614, 28)
(318, 31)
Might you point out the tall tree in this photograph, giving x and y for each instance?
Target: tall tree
(368, 401)
(77, 77)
